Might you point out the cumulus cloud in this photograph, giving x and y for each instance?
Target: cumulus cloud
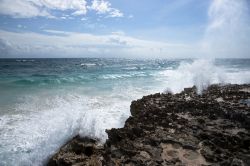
(70, 44)
(227, 33)
(44, 8)
(104, 7)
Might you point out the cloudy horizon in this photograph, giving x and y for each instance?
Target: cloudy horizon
(124, 29)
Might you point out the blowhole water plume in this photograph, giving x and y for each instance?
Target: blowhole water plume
(200, 73)
(227, 33)
(36, 119)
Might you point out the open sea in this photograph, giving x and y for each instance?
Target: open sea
(45, 102)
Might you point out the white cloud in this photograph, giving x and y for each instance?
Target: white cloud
(104, 7)
(76, 5)
(84, 19)
(100, 6)
(21, 9)
(44, 8)
(34, 8)
(115, 13)
(79, 12)
(119, 33)
(70, 44)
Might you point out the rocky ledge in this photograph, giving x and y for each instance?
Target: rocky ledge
(173, 129)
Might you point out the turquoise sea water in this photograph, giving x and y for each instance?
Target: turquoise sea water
(45, 102)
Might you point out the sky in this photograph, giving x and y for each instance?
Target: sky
(125, 28)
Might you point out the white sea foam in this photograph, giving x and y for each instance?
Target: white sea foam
(88, 64)
(38, 127)
(46, 119)
(25, 60)
(121, 76)
(201, 73)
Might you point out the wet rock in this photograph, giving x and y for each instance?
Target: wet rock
(174, 129)
(79, 151)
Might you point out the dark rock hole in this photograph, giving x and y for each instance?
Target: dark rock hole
(88, 151)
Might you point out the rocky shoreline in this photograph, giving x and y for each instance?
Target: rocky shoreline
(173, 129)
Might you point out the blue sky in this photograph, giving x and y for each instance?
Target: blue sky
(124, 28)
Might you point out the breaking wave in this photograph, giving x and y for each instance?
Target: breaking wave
(43, 118)
(202, 73)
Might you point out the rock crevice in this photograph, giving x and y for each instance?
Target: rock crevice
(173, 129)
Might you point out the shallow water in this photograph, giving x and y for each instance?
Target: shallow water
(45, 102)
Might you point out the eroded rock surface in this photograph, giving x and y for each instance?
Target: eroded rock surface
(79, 151)
(181, 129)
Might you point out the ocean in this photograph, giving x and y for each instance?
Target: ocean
(46, 102)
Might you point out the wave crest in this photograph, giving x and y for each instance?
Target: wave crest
(200, 73)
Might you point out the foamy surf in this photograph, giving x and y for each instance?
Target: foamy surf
(202, 73)
(44, 115)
